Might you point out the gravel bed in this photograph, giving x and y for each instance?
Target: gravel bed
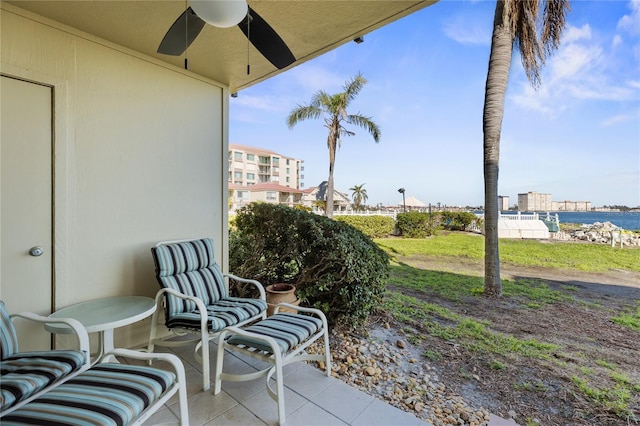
(387, 367)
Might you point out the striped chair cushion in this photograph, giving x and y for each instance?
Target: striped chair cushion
(226, 312)
(190, 268)
(26, 373)
(288, 330)
(107, 394)
(8, 339)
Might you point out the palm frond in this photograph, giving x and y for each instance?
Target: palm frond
(322, 100)
(366, 123)
(535, 46)
(352, 88)
(524, 14)
(554, 21)
(301, 113)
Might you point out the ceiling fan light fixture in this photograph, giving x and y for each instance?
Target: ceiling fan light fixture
(220, 13)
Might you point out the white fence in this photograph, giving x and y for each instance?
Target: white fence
(391, 213)
(526, 216)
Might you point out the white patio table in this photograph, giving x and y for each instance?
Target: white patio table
(104, 315)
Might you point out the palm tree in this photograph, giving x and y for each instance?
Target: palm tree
(320, 204)
(515, 21)
(334, 109)
(359, 195)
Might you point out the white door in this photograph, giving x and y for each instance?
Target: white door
(26, 249)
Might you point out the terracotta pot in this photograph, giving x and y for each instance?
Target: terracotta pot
(278, 293)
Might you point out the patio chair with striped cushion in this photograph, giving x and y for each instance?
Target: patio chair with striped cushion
(196, 298)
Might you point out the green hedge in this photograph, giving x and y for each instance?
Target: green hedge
(422, 224)
(457, 221)
(372, 226)
(415, 224)
(334, 266)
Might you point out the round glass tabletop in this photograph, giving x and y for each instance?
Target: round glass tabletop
(106, 313)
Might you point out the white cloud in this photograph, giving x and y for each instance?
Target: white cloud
(573, 60)
(468, 32)
(572, 34)
(263, 103)
(313, 78)
(533, 99)
(620, 118)
(631, 22)
(580, 69)
(286, 91)
(617, 41)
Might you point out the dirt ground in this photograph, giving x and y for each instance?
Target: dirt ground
(538, 391)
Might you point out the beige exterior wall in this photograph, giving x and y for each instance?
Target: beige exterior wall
(140, 156)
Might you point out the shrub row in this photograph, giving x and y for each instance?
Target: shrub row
(372, 226)
(422, 224)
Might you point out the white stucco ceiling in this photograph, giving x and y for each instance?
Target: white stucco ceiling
(309, 27)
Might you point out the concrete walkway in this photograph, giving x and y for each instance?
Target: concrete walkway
(311, 398)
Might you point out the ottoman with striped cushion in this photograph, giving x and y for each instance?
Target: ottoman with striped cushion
(278, 340)
(106, 394)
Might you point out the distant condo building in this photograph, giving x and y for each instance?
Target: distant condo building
(503, 203)
(250, 166)
(536, 202)
(571, 206)
(257, 174)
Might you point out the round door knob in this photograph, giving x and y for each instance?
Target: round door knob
(36, 251)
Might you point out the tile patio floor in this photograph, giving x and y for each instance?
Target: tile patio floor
(311, 398)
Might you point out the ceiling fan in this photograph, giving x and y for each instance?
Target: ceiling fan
(223, 14)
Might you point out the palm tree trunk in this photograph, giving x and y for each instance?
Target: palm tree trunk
(495, 90)
(332, 159)
(330, 192)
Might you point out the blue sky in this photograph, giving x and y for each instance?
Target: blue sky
(577, 137)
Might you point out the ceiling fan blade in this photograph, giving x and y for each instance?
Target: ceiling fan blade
(266, 40)
(181, 34)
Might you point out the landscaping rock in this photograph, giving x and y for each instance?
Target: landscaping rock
(392, 373)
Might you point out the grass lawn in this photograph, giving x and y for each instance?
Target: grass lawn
(568, 255)
(552, 328)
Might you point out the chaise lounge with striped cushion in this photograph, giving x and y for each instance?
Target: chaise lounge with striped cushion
(108, 394)
(61, 387)
(28, 374)
(196, 299)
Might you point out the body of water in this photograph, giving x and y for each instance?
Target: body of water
(625, 220)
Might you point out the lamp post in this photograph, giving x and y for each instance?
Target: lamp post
(404, 204)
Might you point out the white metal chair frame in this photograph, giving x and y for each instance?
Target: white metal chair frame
(179, 387)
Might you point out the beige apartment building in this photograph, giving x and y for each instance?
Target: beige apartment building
(257, 174)
(536, 202)
(503, 202)
(251, 166)
(571, 206)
